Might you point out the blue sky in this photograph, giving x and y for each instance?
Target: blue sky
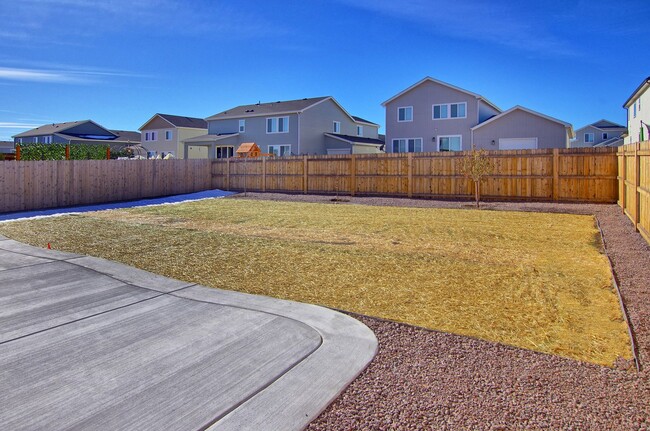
(120, 61)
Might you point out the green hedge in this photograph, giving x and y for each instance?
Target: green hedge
(57, 152)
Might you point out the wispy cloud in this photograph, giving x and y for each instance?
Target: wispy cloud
(487, 22)
(9, 125)
(68, 76)
(81, 21)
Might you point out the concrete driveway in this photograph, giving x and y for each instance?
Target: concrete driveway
(87, 343)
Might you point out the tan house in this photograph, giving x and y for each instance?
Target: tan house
(163, 134)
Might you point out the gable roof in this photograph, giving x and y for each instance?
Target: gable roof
(179, 121)
(272, 108)
(49, 129)
(606, 124)
(568, 126)
(127, 135)
(640, 90)
(355, 139)
(436, 81)
(361, 120)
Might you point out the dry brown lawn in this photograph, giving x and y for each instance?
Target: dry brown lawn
(533, 280)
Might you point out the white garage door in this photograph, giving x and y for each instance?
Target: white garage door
(517, 143)
(331, 151)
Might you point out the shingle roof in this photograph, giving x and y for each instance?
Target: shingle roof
(604, 124)
(127, 135)
(180, 121)
(357, 139)
(48, 129)
(361, 120)
(280, 107)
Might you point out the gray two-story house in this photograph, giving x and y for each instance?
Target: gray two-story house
(602, 133)
(317, 125)
(432, 115)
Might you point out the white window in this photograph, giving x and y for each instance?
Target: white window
(35, 139)
(20, 140)
(359, 130)
(634, 110)
(242, 126)
(407, 145)
(47, 139)
(337, 127)
(450, 110)
(405, 113)
(450, 143)
(225, 152)
(589, 137)
(277, 125)
(146, 136)
(605, 136)
(280, 150)
(168, 135)
(154, 136)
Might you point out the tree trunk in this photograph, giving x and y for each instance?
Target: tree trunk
(477, 193)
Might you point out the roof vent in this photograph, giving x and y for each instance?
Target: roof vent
(259, 102)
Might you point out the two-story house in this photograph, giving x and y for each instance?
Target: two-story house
(602, 133)
(78, 132)
(432, 115)
(163, 134)
(638, 114)
(317, 125)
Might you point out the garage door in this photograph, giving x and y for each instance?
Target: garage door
(331, 151)
(518, 143)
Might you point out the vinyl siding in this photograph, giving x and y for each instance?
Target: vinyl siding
(634, 124)
(316, 121)
(579, 142)
(256, 131)
(521, 124)
(422, 98)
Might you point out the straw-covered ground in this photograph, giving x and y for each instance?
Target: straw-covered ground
(534, 280)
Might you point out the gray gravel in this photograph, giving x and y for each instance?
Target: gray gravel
(423, 379)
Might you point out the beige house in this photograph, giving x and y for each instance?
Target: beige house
(163, 134)
(638, 114)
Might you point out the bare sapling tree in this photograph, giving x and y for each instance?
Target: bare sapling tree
(476, 165)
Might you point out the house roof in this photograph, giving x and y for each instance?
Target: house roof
(606, 124)
(361, 120)
(640, 90)
(180, 121)
(436, 81)
(209, 138)
(247, 147)
(355, 139)
(49, 129)
(616, 141)
(271, 108)
(127, 135)
(568, 126)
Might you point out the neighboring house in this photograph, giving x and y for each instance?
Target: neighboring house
(638, 114)
(318, 125)
(432, 115)
(602, 133)
(78, 132)
(164, 133)
(7, 147)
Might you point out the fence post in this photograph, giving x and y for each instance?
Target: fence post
(353, 174)
(263, 174)
(622, 175)
(304, 174)
(409, 179)
(637, 182)
(228, 174)
(67, 152)
(18, 152)
(108, 153)
(556, 174)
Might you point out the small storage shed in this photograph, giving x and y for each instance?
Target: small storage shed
(248, 150)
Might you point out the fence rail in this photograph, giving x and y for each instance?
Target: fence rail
(634, 185)
(32, 185)
(577, 175)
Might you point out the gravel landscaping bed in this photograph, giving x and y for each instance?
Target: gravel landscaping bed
(424, 379)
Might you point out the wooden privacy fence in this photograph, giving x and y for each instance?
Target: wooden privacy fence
(634, 185)
(48, 184)
(579, 175)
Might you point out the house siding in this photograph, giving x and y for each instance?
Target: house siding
(422, 98)
(256, 131)
(579, 142)
(521, 124)
(182, 134)
(634, 123)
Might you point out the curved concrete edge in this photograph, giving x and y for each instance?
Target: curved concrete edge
(22, 248)
(301, 394)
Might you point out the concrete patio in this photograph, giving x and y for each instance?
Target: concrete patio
(87, 343)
